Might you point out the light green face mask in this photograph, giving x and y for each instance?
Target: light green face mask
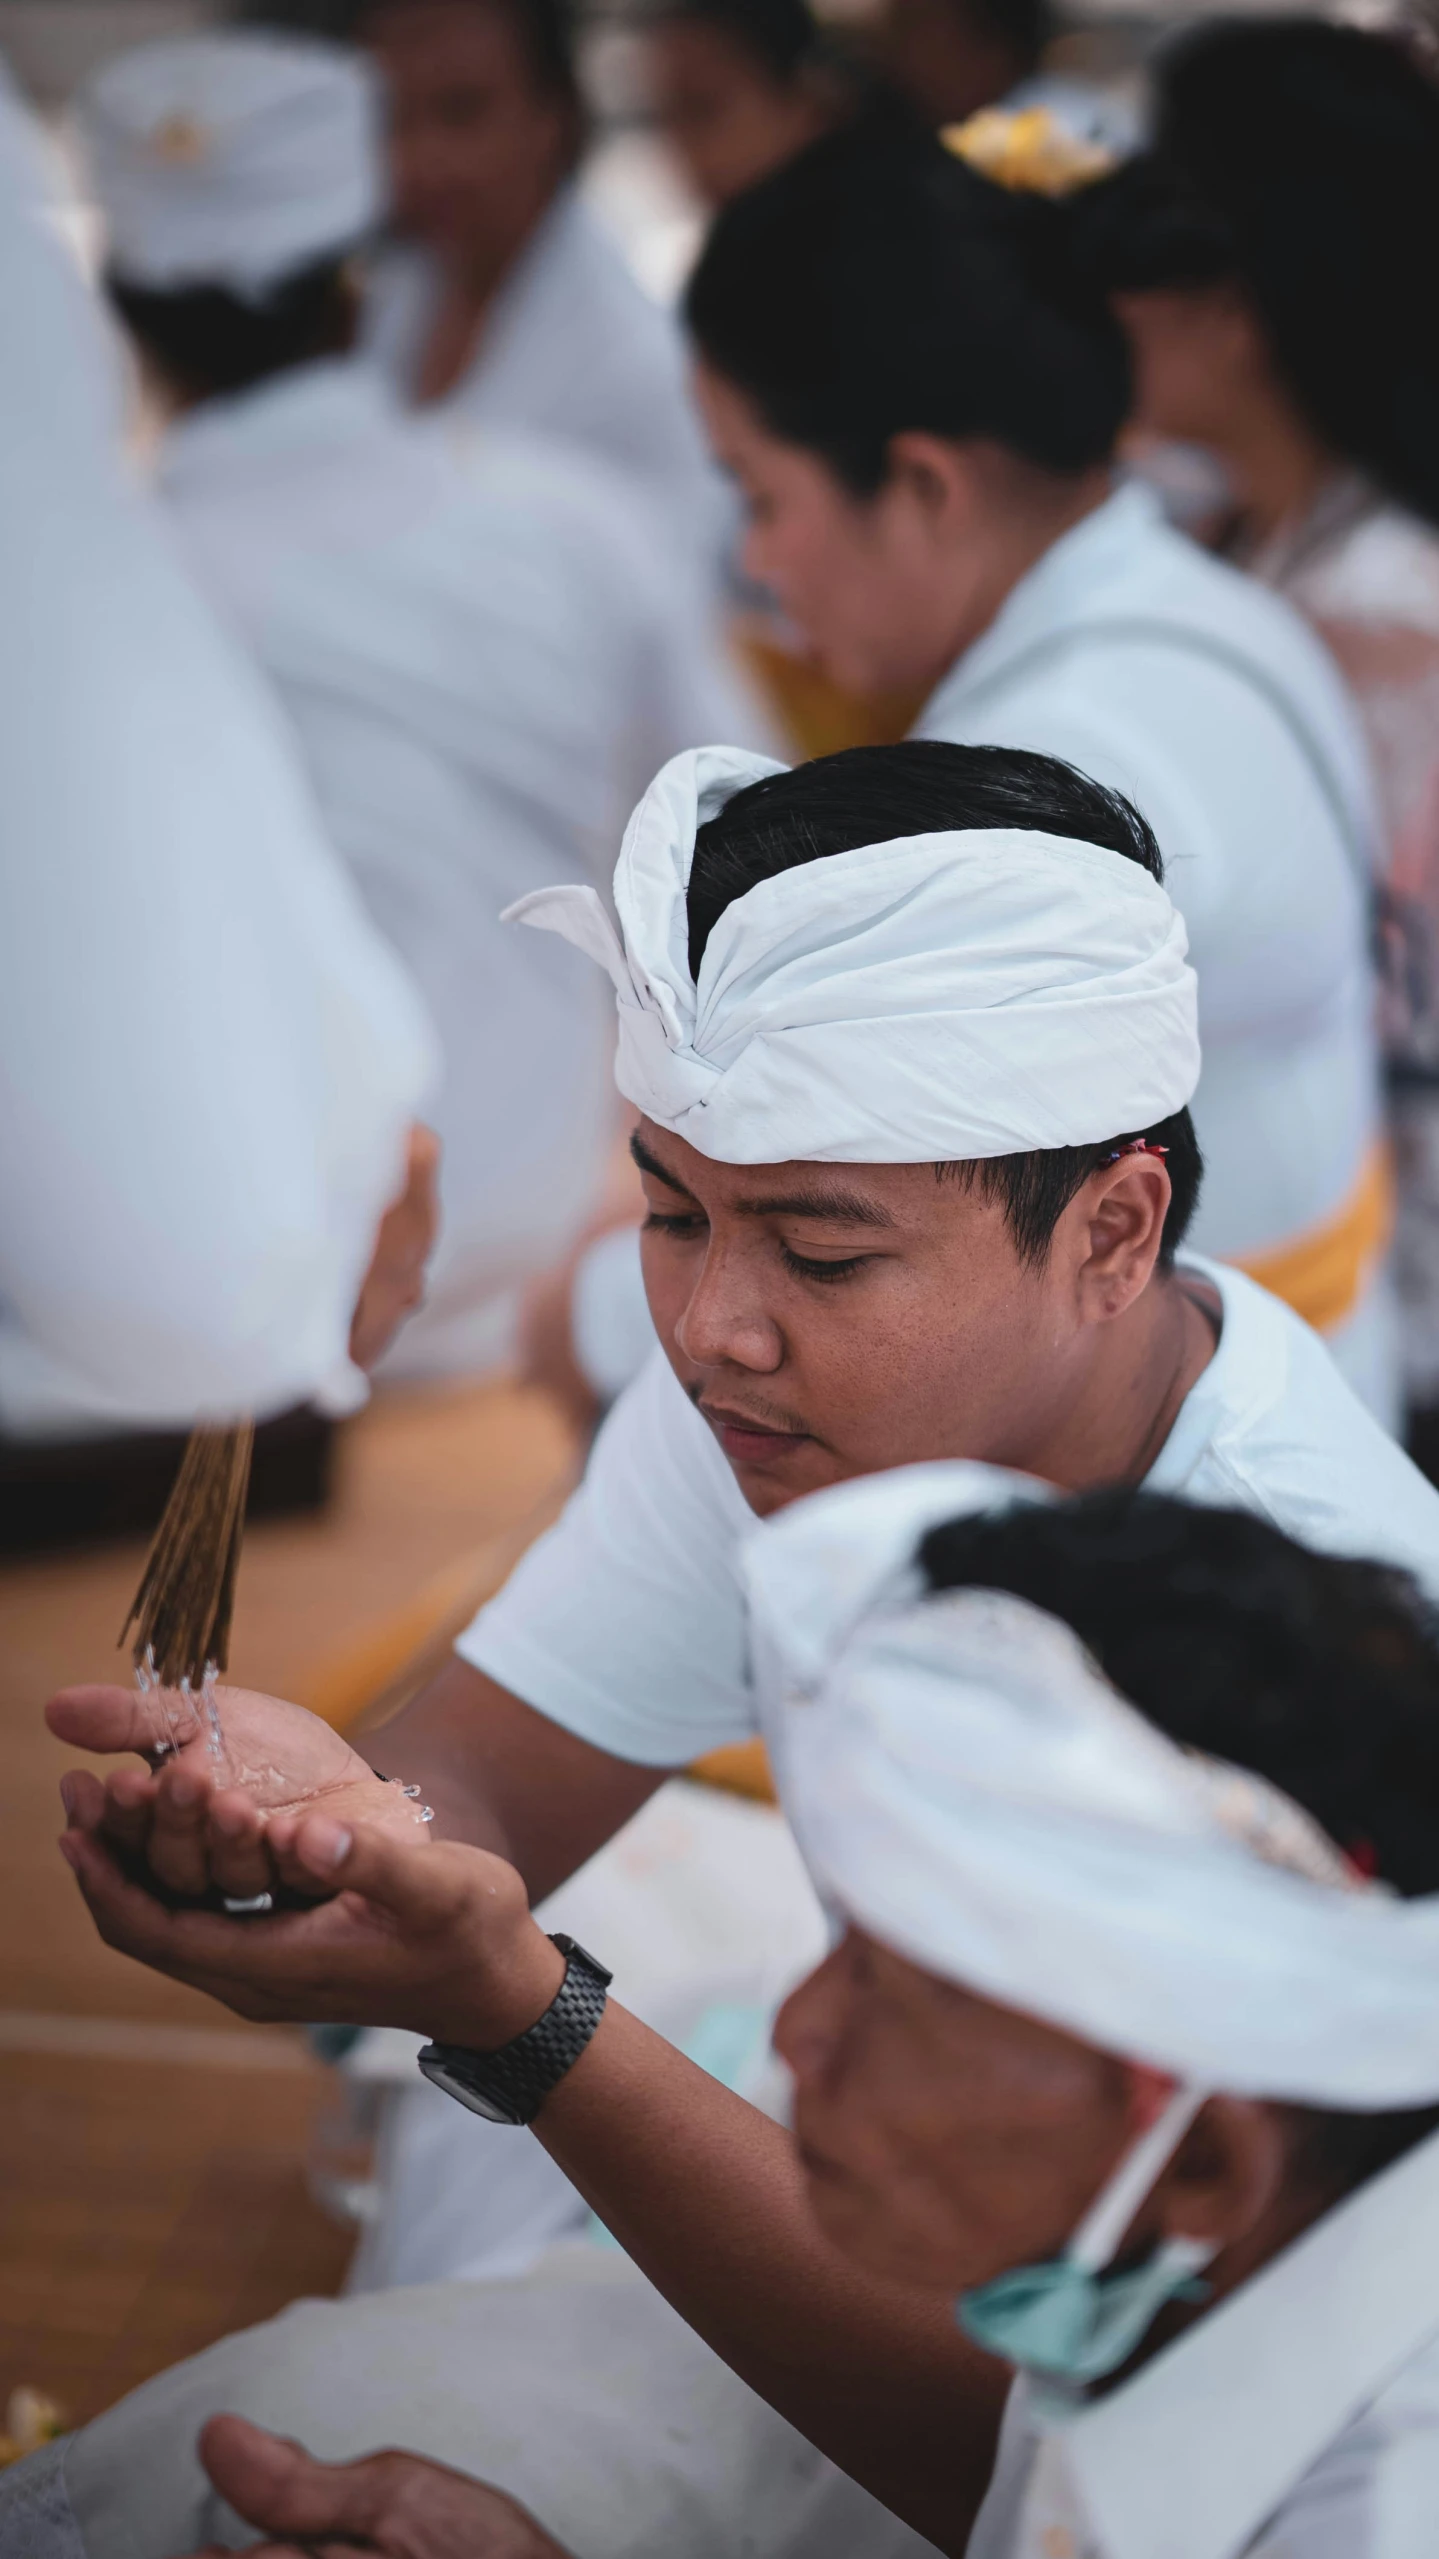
(1067, 2320)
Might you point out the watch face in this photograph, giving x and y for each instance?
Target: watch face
(442, 2076)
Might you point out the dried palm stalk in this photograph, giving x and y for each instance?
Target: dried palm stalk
(182, 1609)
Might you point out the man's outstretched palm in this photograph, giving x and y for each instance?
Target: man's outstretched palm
(195, 1825)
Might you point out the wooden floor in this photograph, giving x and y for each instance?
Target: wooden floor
(152, 2147)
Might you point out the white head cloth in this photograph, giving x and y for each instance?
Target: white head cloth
(969, 1788)
(232, 159)
(935, 999)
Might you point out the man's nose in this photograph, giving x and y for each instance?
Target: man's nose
(725, 1322)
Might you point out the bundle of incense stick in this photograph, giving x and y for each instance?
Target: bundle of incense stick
(182, 1609)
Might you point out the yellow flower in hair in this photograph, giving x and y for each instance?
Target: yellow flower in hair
(1028, 149)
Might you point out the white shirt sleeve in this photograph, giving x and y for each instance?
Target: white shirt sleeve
(208, 1058)
(626, 1624)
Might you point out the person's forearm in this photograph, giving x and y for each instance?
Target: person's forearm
(707, 2196)
(504, 1777)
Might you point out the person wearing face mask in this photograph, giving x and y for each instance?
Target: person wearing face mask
(1124, 2069)
(1262, 261)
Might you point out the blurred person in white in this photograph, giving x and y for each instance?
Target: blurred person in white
(502, 297)
(919, 392)
(1269, 265)
(913, 1035)
(482, 664)
(1118, 2093)
(210, 1060)
(738, 86)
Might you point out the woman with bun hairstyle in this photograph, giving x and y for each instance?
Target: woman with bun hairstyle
(1271, 263)
(919, 396)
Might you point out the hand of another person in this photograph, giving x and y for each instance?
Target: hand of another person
(436, 1938)
(394, 1284)
(393, 2504)
(193, 1825)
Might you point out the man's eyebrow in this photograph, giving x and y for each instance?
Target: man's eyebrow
(657, 1171)
(840, 1207)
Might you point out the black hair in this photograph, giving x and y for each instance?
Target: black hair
(1022, 27)
(781, 36)
(874, 794)
(1320, 1673)
(1301, 160)
(875, 284)
(544, 30)
(208, 341)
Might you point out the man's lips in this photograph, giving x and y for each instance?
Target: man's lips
(747, 1442)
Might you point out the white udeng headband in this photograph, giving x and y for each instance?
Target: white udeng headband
(965, 1783)
(938, 998)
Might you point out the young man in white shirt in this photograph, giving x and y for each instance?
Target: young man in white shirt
(210, 1060)
(908, 959)
(1010, 2101)
(911, 959)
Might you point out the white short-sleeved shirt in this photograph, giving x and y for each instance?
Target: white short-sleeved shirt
(1298, 2420)
(626, 1622)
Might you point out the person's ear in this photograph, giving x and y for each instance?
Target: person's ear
(935, 479)
(1227, 2175)
(1117, 1227)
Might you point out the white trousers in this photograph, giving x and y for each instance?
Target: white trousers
(575, 2387)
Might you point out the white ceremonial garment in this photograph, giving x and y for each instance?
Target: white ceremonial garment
(209, 1059)
(573, 347)
(626, 1622)
(1298, 2419)
(1267, 862)
(483, 668)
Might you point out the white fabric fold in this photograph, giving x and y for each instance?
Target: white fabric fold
(968, 1787)
(937, 998)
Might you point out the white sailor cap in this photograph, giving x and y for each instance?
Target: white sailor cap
(232, 159)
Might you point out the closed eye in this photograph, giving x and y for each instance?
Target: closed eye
(803, 1268)
(684, 1226)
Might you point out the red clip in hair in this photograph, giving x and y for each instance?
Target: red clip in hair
(1137, 1146)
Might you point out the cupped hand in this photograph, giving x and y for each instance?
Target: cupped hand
(393, 2504)
(438, 1938)
(195, 1823)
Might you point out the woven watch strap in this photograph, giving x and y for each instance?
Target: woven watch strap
(521, 2074)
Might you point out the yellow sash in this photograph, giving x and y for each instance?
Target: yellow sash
(817, 715)
(1322, 1275)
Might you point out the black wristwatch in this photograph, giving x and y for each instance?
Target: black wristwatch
(511, 2085)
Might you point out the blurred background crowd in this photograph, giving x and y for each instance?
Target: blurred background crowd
(400, 333)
